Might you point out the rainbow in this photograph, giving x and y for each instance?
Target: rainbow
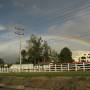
(71, 38)
(77, 39)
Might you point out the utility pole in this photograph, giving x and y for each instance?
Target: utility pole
(20, 32)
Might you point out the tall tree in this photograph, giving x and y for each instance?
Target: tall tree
(35, 49)
(1, 61)
(24, 54)
(65, 55)
(54, 56)
(46, 52)
(38, 51)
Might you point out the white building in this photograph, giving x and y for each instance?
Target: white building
(81, 56)
(16, 67)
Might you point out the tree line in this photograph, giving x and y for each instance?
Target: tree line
(38, 51)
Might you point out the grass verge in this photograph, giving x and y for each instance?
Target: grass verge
(47, 74)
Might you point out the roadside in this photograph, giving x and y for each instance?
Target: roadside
(46, 83)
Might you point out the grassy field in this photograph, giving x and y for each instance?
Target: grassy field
(47, 74)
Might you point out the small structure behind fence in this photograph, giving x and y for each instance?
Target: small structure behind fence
(47, 68)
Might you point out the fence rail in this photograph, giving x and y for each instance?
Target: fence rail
(48, 68)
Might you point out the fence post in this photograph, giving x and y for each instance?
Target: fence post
(6, 69)
(39, 68)
(33, 68)
(83, 66)
(61, 68)
(55, 68)
(44, 68)
(68, 67)
(49, 68)
(75, 67)
(0, 69)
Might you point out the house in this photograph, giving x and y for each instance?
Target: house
(81, 56)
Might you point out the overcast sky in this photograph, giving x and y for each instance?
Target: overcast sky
(60, 22)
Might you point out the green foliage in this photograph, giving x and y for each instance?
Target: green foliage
(65, 55)
(37, 51)
(46, 52)
(54, 56)
(24, 54)
(34, 50)
(1, 61)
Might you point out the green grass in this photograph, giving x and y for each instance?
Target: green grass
(47, 74)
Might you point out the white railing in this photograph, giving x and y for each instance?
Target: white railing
(48, 68)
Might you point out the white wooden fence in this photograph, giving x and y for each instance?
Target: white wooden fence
(48, 68)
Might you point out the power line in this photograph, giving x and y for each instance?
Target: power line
(64, 13)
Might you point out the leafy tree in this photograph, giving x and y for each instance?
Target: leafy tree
(45, 52)
(1, 61)
(54, 56)
(24, 54)
(65, 55)
(35, 49)
(38, 51)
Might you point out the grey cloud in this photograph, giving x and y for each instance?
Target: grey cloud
(9, 50)
(59, 10)
(18, 4)
(78, 28)
(2, 27)
(59, 42)
(53, 9)
(1, 5)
